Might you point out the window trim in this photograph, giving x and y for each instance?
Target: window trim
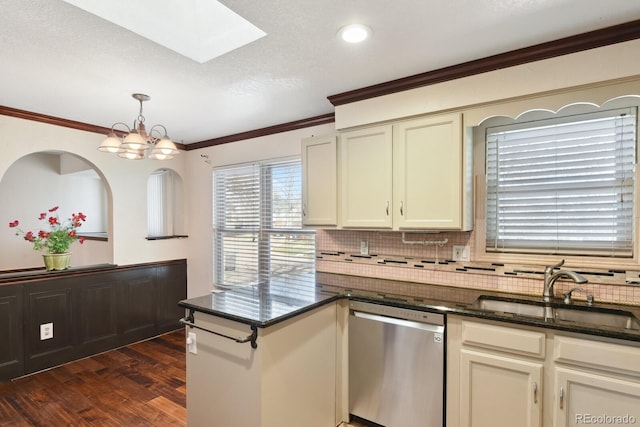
(536, 110)
(566, 245)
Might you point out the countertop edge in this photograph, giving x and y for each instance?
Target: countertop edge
(257, 323)
(440, 308)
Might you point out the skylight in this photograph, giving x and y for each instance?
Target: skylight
(198, 29)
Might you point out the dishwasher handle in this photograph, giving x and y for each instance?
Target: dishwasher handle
(438, 329)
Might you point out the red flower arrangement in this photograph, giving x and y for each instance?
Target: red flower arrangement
(60, 236)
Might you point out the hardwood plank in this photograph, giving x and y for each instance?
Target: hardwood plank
(143, 384)
(170, 408)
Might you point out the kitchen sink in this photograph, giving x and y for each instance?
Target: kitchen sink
(521, 308)
(565, 313)
(609, 318)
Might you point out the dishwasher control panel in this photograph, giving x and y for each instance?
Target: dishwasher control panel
(397, 312)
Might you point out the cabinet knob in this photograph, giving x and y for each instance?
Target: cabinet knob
(535, 392)
(304, 209)
(561, 401)
(401, 208)
(387, 208)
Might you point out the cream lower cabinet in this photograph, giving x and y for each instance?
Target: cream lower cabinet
(499, 391)
(595, 383)
(494, 376)
(500, 374)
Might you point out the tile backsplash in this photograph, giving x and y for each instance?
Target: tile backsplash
(338, 251)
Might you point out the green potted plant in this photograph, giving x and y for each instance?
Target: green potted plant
(57, 240)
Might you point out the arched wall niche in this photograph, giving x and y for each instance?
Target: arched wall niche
(165, 204)
(41, 180)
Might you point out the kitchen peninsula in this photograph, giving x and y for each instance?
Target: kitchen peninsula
(258, 355)
(298, 367)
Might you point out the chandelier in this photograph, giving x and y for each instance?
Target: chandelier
(137, 143)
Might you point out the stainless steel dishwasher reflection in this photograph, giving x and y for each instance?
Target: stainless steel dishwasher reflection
(396, 365)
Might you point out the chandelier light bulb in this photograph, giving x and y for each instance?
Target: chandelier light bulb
(137, 140)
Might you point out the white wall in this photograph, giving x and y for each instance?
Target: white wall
(126, 183)
(200, 192)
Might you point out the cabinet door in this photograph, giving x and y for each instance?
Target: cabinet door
(428, 174)
(366, 159)
(319, 181)
(593, 398)
(499, 391)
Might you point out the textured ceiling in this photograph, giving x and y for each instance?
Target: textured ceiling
(59, 60)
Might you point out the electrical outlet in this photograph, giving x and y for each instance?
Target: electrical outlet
(364, 247)
(461, 253)
(46, 331)
(191, 343)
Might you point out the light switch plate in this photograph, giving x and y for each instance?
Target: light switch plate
(364, 247)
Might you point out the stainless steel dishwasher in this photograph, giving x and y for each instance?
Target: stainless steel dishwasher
(396, 365)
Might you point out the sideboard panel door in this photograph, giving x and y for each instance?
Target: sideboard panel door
(51, 308)
(11, 350)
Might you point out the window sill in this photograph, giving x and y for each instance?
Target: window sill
(179, 236)
(99, 236)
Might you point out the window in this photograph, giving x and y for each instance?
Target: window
(562, 185)
(258, 235)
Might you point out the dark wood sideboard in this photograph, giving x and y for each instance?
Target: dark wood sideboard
(92, 309)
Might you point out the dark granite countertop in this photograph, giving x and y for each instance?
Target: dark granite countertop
(268, 304)
(263, 305)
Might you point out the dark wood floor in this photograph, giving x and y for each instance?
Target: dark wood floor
(139, 385)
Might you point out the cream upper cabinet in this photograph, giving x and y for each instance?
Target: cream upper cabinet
(320, 181)
(428, 173)
(410, 175)
(366, 165)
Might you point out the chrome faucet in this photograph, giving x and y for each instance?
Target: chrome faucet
(550, 279)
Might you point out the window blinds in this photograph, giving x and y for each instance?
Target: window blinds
(563, 185)
(258, 235)
(159, 208)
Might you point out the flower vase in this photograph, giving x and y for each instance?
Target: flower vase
(57, 261)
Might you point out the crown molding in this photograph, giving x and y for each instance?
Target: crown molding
(270, 130)
(585, 41)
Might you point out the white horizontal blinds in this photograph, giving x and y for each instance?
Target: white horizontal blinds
(159, 208)
(563, 185)
(237, 225)
(258, 234)
(291, 250)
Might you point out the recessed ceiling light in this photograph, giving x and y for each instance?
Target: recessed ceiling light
(354, 33)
